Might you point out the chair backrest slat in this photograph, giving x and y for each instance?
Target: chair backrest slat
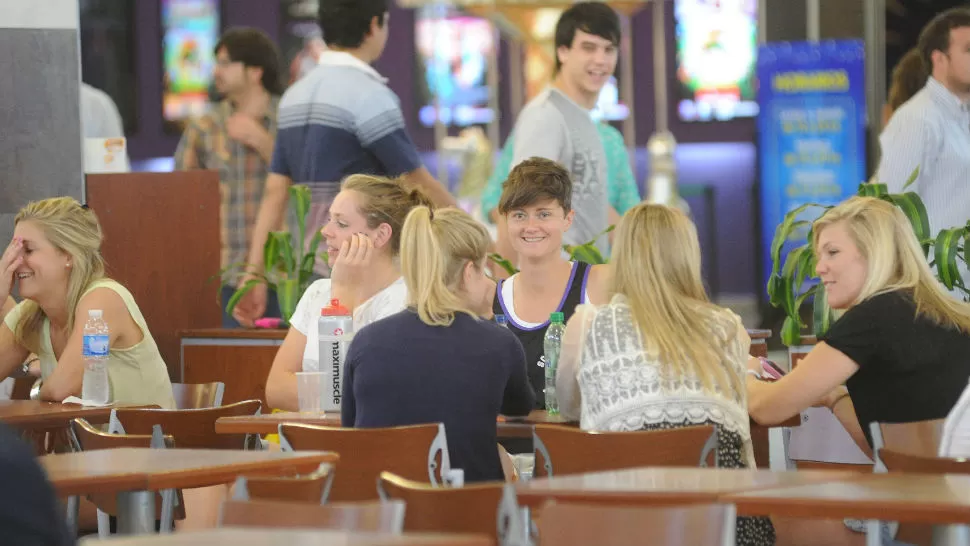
(579, 525)
(417, 452)
(373, 517)
(311, 488)
(192, 428)
(567, 450)
(198, 395)
(474, 508)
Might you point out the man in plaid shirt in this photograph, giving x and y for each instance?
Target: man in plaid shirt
(236, 138)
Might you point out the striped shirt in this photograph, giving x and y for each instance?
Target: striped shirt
(931, 131)
(206, 144)
(341, 119)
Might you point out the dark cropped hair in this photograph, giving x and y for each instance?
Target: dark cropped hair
(596, 18)
(533, 180)
(253, 48)
(345, 23)
(936, 34)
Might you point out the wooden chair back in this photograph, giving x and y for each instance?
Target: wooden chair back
(566, 450)
(198, 395)
(311, 488)
(580, 525)
(86, 437)
(191, 428)
(366, 517)
(23, 387)
(418, 452)
(909, 447)
(485, 508)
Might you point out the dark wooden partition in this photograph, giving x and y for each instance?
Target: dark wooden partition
(161, 240)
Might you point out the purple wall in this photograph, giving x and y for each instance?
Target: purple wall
(729, 167)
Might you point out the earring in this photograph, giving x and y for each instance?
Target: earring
(67, 265)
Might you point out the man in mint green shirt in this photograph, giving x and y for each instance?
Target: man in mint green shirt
(621, 186)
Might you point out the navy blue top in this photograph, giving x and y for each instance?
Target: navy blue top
(400, 371)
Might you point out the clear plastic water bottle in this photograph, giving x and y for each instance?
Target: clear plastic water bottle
(95, 386)
(502, 320)
(335, 328)
(551, 345)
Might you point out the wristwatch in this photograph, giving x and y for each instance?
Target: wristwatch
(25, 369)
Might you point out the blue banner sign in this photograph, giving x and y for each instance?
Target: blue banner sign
(811, 125)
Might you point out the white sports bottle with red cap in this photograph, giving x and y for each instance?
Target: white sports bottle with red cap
(336, 329)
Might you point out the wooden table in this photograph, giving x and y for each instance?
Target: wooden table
(665, 486)
(916, 498)
(292, 537)
(38, 415)
(239, 358)
(134, 474)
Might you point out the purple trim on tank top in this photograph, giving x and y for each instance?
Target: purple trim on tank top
(582, 295)
(569, 284)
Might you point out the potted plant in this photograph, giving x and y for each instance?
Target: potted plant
(789, 285)
(287, 261)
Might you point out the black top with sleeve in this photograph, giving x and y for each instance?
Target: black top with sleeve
(400, 371)
(533, 339)
(910, 369)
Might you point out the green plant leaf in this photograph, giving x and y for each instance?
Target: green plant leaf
(821, 313)
(288, 294)
(301, 198)
(791, 332)
(287, 262)
(587, 253)
(915, 211)
(308, 261)
(784, 232)
(239, 293)
(945, 254)
(503, 263)
(873, 189)
(271, 253)
(912, 178)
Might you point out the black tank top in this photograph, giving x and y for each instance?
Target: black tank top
(532, 338)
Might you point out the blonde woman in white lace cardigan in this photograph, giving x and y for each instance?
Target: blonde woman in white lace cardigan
(660, 355)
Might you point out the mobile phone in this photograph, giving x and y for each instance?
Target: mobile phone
(770, 370)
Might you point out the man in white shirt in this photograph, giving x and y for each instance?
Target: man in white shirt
(99, 115)
(931, 131)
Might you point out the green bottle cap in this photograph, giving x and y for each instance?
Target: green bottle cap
(556, 318)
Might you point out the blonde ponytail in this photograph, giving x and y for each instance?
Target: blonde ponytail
(435, 246)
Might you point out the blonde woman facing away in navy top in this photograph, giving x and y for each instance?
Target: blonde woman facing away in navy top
(438, 361)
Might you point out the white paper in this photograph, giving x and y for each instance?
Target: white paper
(89, 403)
(105, 155)
(822, 438)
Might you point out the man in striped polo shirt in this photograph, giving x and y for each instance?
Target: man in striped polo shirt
(932, 130)
(339, 119)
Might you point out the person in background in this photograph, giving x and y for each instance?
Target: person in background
(621, 185)
(338, 120)
(363, 240)
(236, 139)
(660, 355)
(99, 115)
(902, 345)
(908, 78)
(557, 124)
(438, 361)
(536, 205)
(33, 516)
(931, 131)
(55, 260)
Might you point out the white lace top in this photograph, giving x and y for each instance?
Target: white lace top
(385, 303)
(611, 383)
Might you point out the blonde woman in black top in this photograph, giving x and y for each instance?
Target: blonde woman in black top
(902, 344)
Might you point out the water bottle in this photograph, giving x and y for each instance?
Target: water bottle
(551, 345)
(502, 321)
(336, 329)
(94, 351)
